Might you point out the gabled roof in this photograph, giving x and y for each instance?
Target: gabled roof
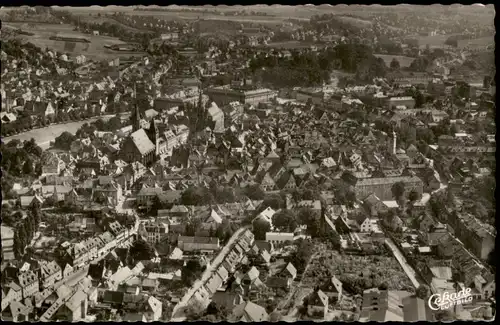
(250, 312)
(142, 141)
(318, 298)
(289, 270)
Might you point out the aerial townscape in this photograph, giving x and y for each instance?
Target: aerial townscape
(248, 163)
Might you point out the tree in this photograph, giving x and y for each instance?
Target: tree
(285, 220)
(141, 250)
(191, 271)
(18, 246)
(309, 218)
(28, 167)
(194, 310)
(64, 140)
(32, 148)
(413, 196)
(395, 64)
(423, 291)
(303, 253)
(260, 228)
(254, 192)
(197, 196)
(398, 190)
(275, 201)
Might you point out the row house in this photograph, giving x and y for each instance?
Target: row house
(13, 293)
(475, 237)
(382, 187)
(191, 244)
(50, 273)
(146, 196)
(29, 283)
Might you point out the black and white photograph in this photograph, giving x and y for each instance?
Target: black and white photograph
(248, 163)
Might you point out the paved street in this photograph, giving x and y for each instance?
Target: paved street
(178, 313)
(44, 136)
(410, 272)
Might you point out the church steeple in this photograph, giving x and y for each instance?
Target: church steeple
(136, 117)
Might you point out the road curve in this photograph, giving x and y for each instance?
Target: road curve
(44, 136)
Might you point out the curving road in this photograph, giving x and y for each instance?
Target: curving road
(178, 312)
(44, 136)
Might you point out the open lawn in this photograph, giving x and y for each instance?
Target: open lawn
(93, 50)
(404, 61)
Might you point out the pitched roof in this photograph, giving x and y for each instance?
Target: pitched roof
(290, 269)
(250, 312)
(416, 309)
(142, 141)
(318, 298)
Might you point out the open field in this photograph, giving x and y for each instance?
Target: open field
(404, 61)
(477, 42)
(289, 45)
(101, 20)
(432, 41)
(93, 50)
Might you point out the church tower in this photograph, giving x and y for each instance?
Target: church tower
(136, 117)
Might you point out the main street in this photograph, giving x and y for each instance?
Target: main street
(178, 312)
(410, 272)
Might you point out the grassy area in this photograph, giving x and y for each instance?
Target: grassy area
(477, 42)
(432, 41)
(404, 61)
(368, 271)
(102, 20)
(43, 32)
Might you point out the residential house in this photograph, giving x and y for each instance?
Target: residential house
(289, 272)
(314, 205)
(227, 299)
(7, 243)
(374, 205)
(265, 216)
(333, 289)
(279, 237)
(249, 312)
(317, 304)
(417, 310)
(49, 274)
(29, 283)
(18, 312)
(14, 293)
(74, 309)
(381, 306)
(485, 285)
(146, 196)
(191, 244)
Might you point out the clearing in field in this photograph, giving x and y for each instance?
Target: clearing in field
(404, 61)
